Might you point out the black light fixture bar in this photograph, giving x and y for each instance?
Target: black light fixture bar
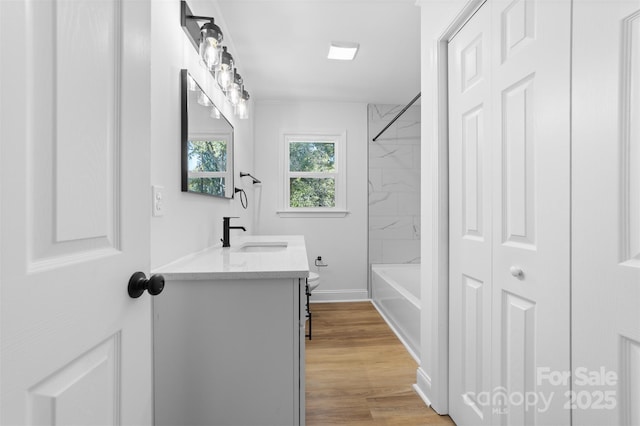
(189, 24)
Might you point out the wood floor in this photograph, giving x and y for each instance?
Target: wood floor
(358, 372)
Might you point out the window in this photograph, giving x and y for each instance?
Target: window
(314, 175)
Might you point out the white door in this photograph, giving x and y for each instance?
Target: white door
(606, 213)
(528, 143)
(531, 199)
(74, 155)
(470, 220)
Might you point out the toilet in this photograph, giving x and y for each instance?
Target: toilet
(312, 283)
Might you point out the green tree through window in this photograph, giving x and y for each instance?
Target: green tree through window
(311, 169)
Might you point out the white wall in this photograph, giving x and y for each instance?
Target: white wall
(341, 241)
(191, 222)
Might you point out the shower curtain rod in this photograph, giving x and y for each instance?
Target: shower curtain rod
(397, 116)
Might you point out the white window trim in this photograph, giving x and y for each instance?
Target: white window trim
(340, 174)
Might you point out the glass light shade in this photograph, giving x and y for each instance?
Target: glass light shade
(242, 109)
(224, 77)
(209, 49)
(210, 54)
(234, 93)
(224, 72)
(204, 99)
(215, 113)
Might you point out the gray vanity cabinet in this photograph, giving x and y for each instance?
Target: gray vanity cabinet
(230, 352)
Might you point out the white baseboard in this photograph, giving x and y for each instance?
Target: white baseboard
(353, 295)
(423, 385)
(422, 396)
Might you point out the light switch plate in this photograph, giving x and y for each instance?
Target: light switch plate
(157, 200)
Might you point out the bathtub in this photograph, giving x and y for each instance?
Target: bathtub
(395, 290)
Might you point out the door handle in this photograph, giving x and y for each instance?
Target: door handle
(517, 272)
(138, 283)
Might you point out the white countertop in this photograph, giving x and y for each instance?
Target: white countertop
(240, 261)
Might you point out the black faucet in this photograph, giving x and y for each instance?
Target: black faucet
(226, 226)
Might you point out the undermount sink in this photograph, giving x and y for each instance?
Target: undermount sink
(263, 246)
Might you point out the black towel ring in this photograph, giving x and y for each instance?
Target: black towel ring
(243, 200)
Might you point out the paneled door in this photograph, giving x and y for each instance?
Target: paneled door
(470, 235)
(526, 161)
(606, 213)
(74, 217)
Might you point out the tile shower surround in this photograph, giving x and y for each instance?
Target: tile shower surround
(394, 185)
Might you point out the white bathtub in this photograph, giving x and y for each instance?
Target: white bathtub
(395, 292)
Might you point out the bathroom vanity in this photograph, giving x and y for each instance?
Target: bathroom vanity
(229, 335)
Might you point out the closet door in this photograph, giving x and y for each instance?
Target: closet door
(531, 209)
(606, 213)
(470, 220)
(509, 80)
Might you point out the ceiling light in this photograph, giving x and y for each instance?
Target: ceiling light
(343, 50)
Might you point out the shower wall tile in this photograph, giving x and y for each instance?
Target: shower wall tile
(383, 204)
(401, 251)
(375, 180)
(416, 157)
(400, 180)
(391, 228)
(375, 251)
(408, 130)
(412, 114)
(416, 227)
(379, 117)
(394, 185)
(385, 156)
(408, 203)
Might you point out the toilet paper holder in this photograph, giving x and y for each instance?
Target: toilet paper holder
(319, 263)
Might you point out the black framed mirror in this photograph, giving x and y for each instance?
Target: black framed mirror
(207, 143)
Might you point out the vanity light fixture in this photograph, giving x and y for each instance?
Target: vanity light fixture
(343, 50)
(205, 39)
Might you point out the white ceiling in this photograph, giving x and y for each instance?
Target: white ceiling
(281, 48)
